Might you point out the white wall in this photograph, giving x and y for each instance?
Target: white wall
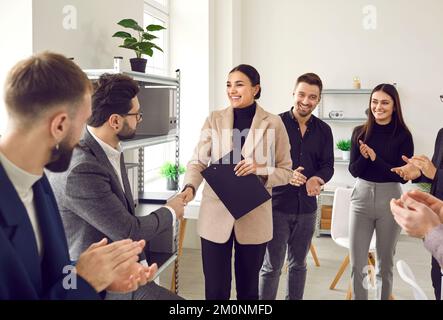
(226, 43)
(286, 38)
(190, 52)
(16, 44)
(38, 25)
(91, 43)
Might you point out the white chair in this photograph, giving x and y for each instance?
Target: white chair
(340, 232)
(408, 277)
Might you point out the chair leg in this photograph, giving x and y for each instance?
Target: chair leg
(181, 236)
(340, 272)
(371, 258)
(349, 292)
(371, 262)
(314, 255)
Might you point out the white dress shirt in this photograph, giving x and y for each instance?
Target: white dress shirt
(23, 182)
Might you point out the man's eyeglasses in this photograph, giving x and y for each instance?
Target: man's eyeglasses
(139, 115)
(441, 97)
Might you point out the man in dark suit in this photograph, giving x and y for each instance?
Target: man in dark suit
(422, 169)
(48, 99)
(94, 194)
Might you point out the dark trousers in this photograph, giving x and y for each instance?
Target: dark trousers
(436, 278)
(217, 269)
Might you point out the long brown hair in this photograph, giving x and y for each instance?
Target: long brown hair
(365, 131)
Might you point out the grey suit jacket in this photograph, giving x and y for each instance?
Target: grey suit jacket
(93, 204)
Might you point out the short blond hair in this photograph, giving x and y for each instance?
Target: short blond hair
(42, 82)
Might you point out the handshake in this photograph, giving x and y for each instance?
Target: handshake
(178, 202)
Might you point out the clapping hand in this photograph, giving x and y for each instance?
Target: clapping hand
(425, 165)
(313, 186)
(427, 199)
(409, 171)
(366, 151)
(136, 275)
(298, 179)
(416, 218)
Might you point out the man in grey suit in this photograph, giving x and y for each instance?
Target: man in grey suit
(94, 194)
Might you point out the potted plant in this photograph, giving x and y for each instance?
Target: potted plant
(141, 45)
(345, 146)
(171, 172)
(424, 186)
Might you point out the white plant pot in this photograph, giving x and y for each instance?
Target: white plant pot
(346, 155)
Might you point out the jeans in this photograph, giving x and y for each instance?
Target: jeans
(292, 232)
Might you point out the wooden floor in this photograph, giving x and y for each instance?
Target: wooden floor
(191, 281)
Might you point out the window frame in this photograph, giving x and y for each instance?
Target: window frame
(160, 12)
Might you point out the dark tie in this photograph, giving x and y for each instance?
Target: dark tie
(126, 185)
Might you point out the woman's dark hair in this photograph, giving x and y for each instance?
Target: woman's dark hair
(251, 73)
(397, 117)
(112, 95)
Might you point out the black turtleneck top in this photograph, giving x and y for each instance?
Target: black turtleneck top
(389, 144)
(242, 123)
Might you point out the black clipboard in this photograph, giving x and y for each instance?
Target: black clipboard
(240, 195)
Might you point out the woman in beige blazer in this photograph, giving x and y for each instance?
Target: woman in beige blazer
(259, 138)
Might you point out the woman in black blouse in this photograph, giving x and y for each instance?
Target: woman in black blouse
(377, 147)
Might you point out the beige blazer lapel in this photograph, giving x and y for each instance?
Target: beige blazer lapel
(256, 132)
(222, 137)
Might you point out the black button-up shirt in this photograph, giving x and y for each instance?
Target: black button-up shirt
(314, 152)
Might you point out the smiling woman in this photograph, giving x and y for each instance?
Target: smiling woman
(247, 122)
(377, 147)
(243, 86)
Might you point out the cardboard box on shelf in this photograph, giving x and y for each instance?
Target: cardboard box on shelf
(326, 212)
(325, 224)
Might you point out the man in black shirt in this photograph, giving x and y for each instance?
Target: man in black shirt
(295, 205)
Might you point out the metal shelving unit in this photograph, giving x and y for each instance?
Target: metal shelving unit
(320, 202)
(341, 161)
(345, 120)
(346, 91)
(141, 141)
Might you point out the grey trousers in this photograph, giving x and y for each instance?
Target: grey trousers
(370, 211)
(294, 232)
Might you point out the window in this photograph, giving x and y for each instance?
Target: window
(157, 12)
(155, 157)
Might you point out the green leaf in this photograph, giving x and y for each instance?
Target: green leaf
(169, 170)
(424, 186)
(146, 48)
(126, 47)
(130, 41)
(157, 47)
(130, 23)
(154, 27)
(344, 145)
(122, 34)
(149, 37)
